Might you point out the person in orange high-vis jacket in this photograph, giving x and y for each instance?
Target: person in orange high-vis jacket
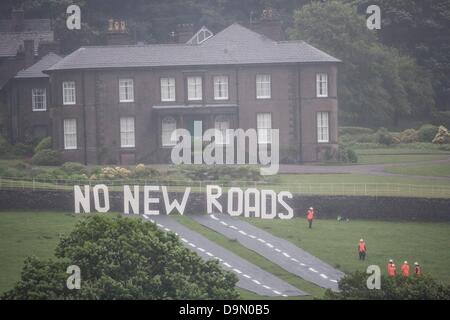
(405, 269)
(310, 216)
(417, 269)
(391, 268)
(362, 249)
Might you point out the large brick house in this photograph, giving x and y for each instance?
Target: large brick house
(119, 104)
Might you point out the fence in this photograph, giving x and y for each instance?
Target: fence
(334, 189)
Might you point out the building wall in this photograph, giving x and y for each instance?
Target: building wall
(293, 106)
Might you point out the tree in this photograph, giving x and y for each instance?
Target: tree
(375, 86)
(123, 258)
(353, 287)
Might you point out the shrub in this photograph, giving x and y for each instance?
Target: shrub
(22, 149)
(74, 168)
(442, 136)
(5, 147)
(347, 155)
(45, 143)
(383, 136)
(354, 130)
(427, 132)
(366, 138)
(47, 157)
(407, 136)
(143, 172)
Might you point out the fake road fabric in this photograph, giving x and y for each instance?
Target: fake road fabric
(251, 277)
(288, 256)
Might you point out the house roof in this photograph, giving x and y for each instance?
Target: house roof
(35, 71)
(233, 45)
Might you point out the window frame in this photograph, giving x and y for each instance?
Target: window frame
(163, 141)
(217, 89)
(75, 133)
(320, 127)
(64, 95)
(189, 98)
(258, 84)
(126, 92)
(33, 100)
(126, 131)
(258, 128)
(169, 99)
(319, 82)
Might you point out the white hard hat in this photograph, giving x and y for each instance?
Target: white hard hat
(390, 260)
(361, 240)
(406, 262)
(311, 208)
(416, 263)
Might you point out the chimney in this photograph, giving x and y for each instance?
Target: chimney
(117, 33)
(269, 25)
(184, 32)
(17, 17)
(28, 52)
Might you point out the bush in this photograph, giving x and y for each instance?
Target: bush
(441, 118)
(407, 136)
(5, 147)
(347, 155)
(45, 143)
(354, 130)
(442, 136)
(383, 136)
(22, 149)
(46, 157)
(71, 168)
(143, 172)
(427, 132)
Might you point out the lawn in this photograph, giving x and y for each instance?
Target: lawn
(400, 154)
(336, 242)
(435, 170)
(24, 234)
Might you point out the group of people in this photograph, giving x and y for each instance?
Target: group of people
(391, 268)
(362, 250)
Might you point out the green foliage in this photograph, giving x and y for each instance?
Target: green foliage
(47, 157)
(353, 287)
(71, 168)
(45, 143)
(5, 147)
(221, 172)
(377, 85)
(355, 130)
(427, 132)
(383, 136)
(124, 258)
(406, 136)
(22, 149)
(441, 118)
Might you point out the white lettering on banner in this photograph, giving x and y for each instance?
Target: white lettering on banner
(250, 202)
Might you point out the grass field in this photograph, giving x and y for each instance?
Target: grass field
(435, 170)
(336, 242)
(400, 154)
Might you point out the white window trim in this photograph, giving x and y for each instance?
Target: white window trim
(321, 127)
(163, 142)
(33, 100)
(66, 147)
(269, 129)
(225, 84)
(123, 86)
(197, 98)
(65, 102)
(169, 99)
(321, 78)
(259, 81)
(123, 131)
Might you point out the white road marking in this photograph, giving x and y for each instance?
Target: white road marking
(227, 265)
(192, 245)
(284, 295)
(286, 255)
(261, 240)
(214, 217)
(312, 270)
(242, 232)
(302, 264)
(152, 221)
(276, 292)
(252, 236)
(233, 227)
(167, 229)
(256, 281)
(293, 259)
(209, 254)
(224, 223)
(237, 271)
(159, 225)
(247, 276)
(277, 250)
(332, 280)
(201, 249)
(269, 245)
(184, 240)
(267, 287)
